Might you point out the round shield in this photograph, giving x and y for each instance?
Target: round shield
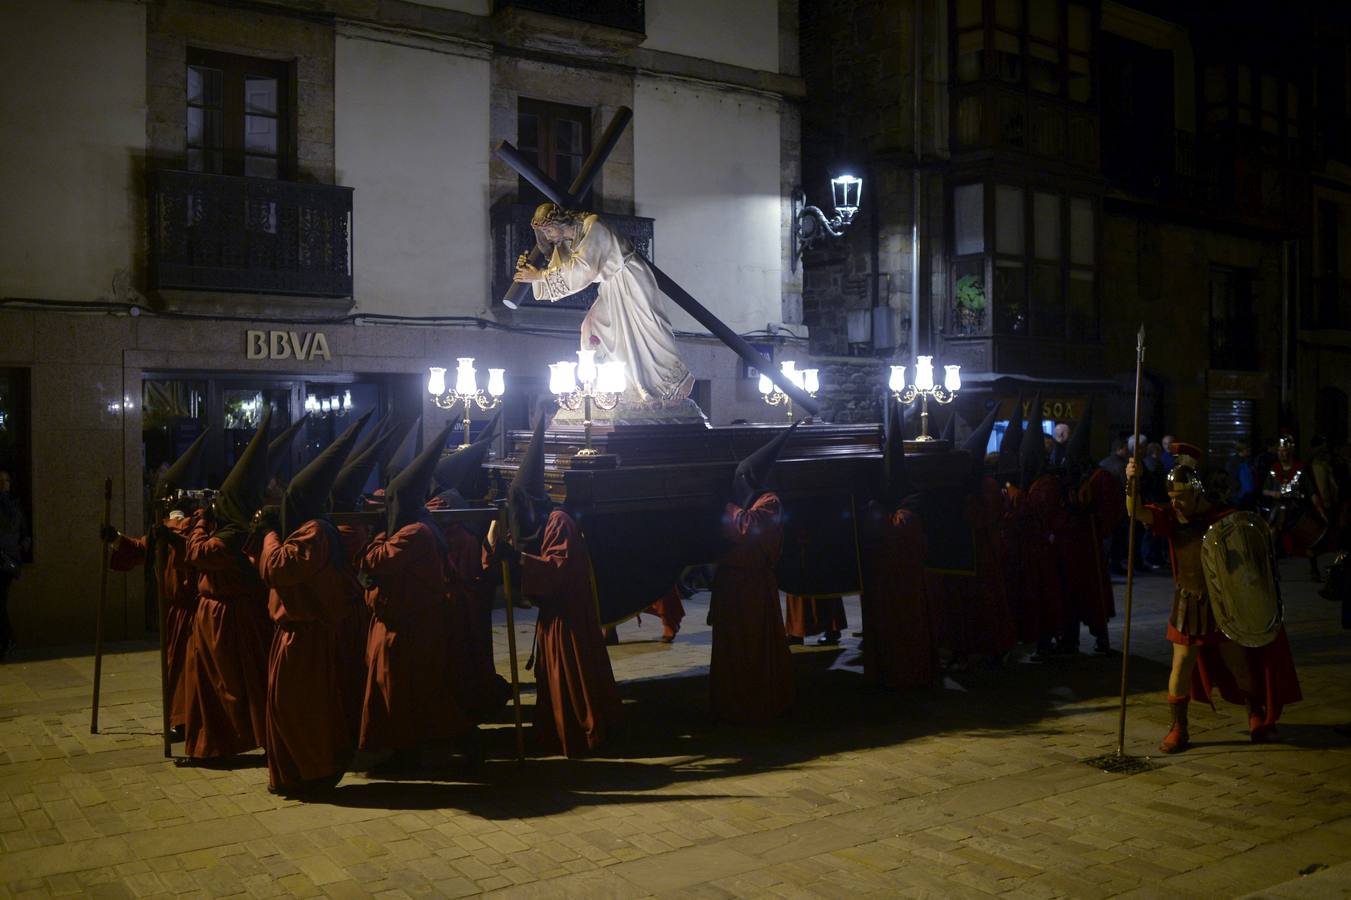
(1236, 554)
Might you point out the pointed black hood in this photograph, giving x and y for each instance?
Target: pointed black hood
(307, 495)
(895, 480)
(406, 493)
(372, 434)
(528, 502)
(352, 477)
(1011, 443)
(241, 494)
(455, 471)
(279, 447)
(752, 472)
(1076, 448)
(978, 440)
(950, 430)
(402, 450)
(186, 472)
(1032, 453)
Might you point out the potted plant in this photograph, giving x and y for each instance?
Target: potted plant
(970, 298)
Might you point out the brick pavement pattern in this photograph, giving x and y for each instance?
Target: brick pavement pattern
(977, 787)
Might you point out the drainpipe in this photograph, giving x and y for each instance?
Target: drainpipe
(916, 189)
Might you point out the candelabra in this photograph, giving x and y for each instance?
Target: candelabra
(466, 390)
(924, 388)
(329, 406)
(807, 379)
(581, 384)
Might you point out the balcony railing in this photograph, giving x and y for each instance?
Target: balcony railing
(624, 14)
(513, 236)
(249, 235)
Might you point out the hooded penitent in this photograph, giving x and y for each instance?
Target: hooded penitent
(406, 493)
(950, 430)
(402, 449)
(307, 496)
(752, 473)
(185, 472)
(1011, 443)
(528, 503)
(241, 494)
(281, 445)
(456, 471)
(352, 477)
(978, 440)
(895, 480)
(1078, 462)
(1032, 453)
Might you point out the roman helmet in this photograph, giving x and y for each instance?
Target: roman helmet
(748, 482)
(407, 492)
(1185, 475)
(308, 494)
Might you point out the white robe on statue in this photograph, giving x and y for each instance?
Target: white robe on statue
(627, 321)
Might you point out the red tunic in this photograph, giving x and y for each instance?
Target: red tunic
(576, 700)
(806, 616)
(178, 587)
(311, 595)
(410, 699)
(751, 671)
(225, 675)
(670, 609)
(1088, 589)
(1043, 592)
(976, 612)
(471, 632)
(899, 646)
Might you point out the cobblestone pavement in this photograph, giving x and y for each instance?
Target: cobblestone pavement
(974, 788)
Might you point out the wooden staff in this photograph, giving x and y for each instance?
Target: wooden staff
(1133, 494)
(103, 598)
(511, 643)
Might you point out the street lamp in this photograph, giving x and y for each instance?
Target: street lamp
(810, 223)
(581, 384)
(925, 388)
(807, 379)
(466, 390)
(335, 405)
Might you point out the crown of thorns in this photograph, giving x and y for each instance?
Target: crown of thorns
(552, 214)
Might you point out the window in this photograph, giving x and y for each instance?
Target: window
(1036, 250)
(558, 137)
(1264, 105)
(1233, 327)
(1044, 46)
(238, 115)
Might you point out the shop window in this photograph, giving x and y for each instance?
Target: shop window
(1233, 326)
(558, 137)
(238, 120)
(969, 218)
(16, 443)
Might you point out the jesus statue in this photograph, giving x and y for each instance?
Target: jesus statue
(627, 322)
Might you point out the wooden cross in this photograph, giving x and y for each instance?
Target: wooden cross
(569, 200)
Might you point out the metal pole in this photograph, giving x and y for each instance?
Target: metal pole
(511, 649)
(1133, 491)
(103, 598)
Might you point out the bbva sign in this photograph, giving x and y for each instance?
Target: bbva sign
(286, 345)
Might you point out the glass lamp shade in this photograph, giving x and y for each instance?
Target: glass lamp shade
(465, 383)
(811, 382)
(312, 403)
(897, 381)
(586, 366)
(611, 377)
(846, 192)
(436, 381)
(952, 378)
(788, 367)
(924, 373)
(562, 377)
(325, 406)
(765, 384)
(335, 403)
(346, 399)
(497, 382)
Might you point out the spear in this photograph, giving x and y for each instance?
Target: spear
(1133, 489)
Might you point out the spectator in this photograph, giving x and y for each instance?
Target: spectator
(1153, 490)
(14, 543)
(1061, 436)
(1167, 446)
(1241, 477)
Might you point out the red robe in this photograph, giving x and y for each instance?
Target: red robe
(1043, 592)
(1109, 508)
(410, 697)
(355, 628)
(311, 595)
(806, 616)
(476, 678)
(1088, 590)
(670, 609)
(751, 670)
(576, 700)
(899, 647)
(976, 612)
(225, 674)
(178, 587)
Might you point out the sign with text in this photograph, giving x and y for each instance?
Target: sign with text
(301, 345)
(1059, 409)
